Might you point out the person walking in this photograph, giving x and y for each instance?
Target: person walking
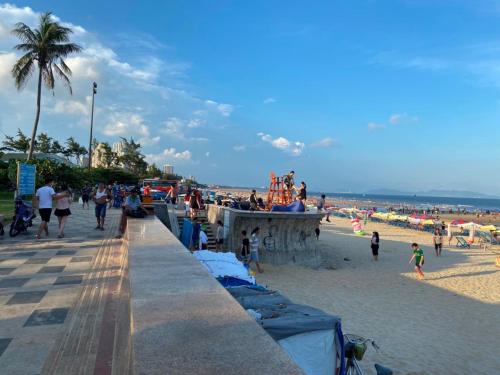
(418, 256)
(43, 199)
(322, 206)
(100, 198)
(245, 247)
(86, 196)
(254, 248)
(438, 242)
(375, 245)
(219, 237)
(62, 210)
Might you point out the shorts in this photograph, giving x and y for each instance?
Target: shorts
(375, 249)
(62, 213)
(45, 214)
(254, 255)
(100, 210)
(204, 246)
(438, 246)
(219, 241)
(253, 206)
(85, 198)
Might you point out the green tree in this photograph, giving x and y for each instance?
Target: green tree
(74, 149)
(109, 156)
(19, 143)
(153, 171)
(44, 47)
(56, 148)
(132, 158)
(44, 143)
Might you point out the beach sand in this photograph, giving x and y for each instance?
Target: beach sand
(447, 324)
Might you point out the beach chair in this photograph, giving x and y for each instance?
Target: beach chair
(462, 243)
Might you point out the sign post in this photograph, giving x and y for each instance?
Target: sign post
(26, 178)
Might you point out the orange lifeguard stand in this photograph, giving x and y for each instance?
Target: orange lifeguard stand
(278, 192)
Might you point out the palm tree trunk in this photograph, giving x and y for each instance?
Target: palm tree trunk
(37, 117)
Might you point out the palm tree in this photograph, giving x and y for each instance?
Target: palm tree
(44, 47)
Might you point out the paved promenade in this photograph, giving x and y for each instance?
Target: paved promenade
(55, 295)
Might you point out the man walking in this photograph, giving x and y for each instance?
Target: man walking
(44, 197)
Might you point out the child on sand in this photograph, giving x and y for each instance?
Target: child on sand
(254, 248)
(374, 245)
(245, 247)
(418, 255)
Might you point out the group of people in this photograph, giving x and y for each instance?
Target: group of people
(417, 252)
(102, 197)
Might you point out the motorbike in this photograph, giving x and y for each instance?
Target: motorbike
(23, 218)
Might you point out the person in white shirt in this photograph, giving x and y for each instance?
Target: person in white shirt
(43, 198)
(203, 239)
(219, 238)
(254, 248)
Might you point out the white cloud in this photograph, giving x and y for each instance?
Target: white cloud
(374, 126)
(125, 124)
(71, 107)
(195, 123)
(7, 60)
(402, 118)
(325, 142)
(224, 109)
(269, 100)
(207, 154)
(281, 143)
(172, 152)
(240, 148)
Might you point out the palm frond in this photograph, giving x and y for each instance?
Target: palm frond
(24, 32)
(48, 76)
(22, 70)
(62, 75)
(25, 47)
(64, 67)
(55, 51)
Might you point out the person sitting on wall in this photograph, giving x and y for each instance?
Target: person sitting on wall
(253, 201)
(301, 192)
(133, 207)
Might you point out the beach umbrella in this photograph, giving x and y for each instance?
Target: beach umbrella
(428, 222)
(458, 222)
(488, 228)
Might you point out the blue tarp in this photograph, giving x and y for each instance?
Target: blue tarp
(187, 232)
(296, 206)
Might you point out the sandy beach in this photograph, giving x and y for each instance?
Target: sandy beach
(446, 324)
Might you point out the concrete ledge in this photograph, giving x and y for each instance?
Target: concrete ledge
(183, 321)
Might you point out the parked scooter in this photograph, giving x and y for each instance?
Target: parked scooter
(23, 218)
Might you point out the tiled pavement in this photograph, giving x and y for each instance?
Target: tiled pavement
(42, 286)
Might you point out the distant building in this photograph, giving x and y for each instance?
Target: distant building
(98, 156)
(118, 148)
(168, 169)
(83, 161)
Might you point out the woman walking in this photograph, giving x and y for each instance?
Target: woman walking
(438, 242)
(375, 245)
(62, 209)
(100, 198)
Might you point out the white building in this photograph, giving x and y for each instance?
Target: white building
(118, 148)
(98, 156)
(168, 169)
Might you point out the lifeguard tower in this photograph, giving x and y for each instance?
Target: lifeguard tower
(278, 192)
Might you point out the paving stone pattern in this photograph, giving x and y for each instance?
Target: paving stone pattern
(41, 282)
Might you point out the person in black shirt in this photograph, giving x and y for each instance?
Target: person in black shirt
(245, 247)
(288, 180)
(302, 194)
(253, 201)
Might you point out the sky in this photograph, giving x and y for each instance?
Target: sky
(352, 95)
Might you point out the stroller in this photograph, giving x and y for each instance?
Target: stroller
(23, 218)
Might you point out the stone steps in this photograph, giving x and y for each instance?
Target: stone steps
(88, 344)
(203, 220)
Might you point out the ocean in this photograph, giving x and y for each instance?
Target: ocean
(372, 200)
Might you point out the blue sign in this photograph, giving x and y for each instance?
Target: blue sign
(26, 179)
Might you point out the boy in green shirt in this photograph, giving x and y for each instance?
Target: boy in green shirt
(418, 255)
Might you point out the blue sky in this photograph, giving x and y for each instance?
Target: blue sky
(351, 95)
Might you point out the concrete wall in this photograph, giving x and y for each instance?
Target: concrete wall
(183, 321)
(284, 237)
(166, 214)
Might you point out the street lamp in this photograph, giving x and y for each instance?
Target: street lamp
(94, 91)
